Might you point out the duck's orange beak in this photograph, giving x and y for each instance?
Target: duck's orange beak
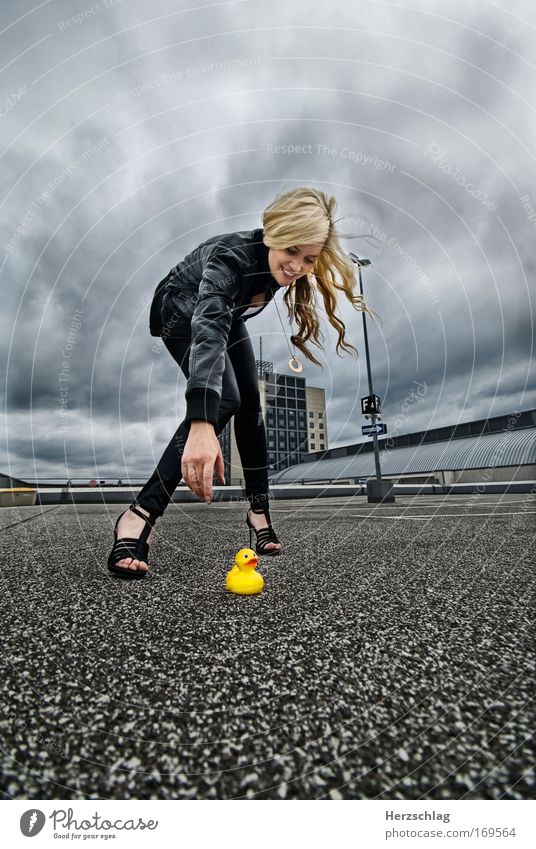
(254, 560)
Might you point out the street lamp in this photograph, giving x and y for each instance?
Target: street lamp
(377, 490)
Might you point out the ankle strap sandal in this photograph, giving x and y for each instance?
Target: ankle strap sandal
(263, 536)
(127, 547)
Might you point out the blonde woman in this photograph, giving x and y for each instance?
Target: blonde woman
(200, 310)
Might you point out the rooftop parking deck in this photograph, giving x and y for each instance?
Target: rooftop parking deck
(390, 655)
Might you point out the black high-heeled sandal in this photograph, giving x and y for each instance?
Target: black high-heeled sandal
(263, 536)
(126, 547)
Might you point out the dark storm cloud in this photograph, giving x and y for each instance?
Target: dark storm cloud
(417, 120)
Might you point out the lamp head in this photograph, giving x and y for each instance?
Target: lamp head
(361, 262)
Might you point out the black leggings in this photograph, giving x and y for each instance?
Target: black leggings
(240, 397)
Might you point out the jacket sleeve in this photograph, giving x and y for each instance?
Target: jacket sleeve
(219, 291)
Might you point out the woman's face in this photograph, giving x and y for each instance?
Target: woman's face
(286, 264)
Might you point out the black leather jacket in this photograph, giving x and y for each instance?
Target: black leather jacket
(201, 297)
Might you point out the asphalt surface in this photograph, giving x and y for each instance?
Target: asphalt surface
(390, 655)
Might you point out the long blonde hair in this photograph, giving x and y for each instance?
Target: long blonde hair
(305, 216)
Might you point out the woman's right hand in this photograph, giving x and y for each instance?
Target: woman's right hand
(202, 455)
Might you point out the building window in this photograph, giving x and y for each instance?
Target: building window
(311, 415)
(312, 446)
(321, 446)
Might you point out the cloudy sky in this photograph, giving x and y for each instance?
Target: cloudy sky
(132, 132)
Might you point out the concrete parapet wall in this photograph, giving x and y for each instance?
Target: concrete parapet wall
(126, 495)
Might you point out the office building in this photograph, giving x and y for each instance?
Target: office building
(295, 419)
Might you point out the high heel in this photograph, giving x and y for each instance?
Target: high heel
(126, 547)
(263, 536)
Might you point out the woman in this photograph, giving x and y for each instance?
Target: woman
(200, 310)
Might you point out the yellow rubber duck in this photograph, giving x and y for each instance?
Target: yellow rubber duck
(243, 579)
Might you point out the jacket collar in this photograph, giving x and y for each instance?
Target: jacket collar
(261, 250)
(264, 278)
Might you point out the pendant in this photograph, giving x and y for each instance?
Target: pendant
(295, 365)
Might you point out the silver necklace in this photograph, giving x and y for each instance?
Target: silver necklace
(293, 363)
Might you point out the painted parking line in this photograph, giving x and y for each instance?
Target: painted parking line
(28, 519)
(467, 515)
(480, 503)
(377, 515)
(457, 504)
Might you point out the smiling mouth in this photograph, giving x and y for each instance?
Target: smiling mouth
(287, 275)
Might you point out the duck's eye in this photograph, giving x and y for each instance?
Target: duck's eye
(246, 556)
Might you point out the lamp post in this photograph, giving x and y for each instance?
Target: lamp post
(377, 490)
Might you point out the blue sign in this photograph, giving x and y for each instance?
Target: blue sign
(370, 430)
